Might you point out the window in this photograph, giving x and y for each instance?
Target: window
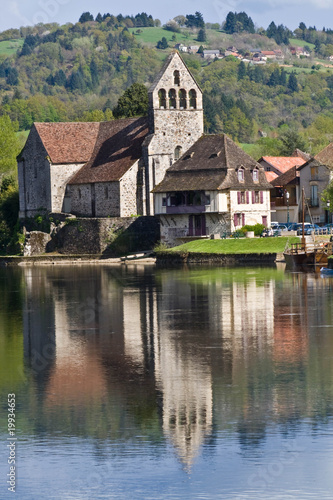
(255, 197)
(106, 192)
(176, 78)
(177, 152)
(162, 98)
(314, 172)
(241, 197)
(240, 174)
(172, 99)
(207, 199)
(182, 98)
(255, 175)
(264, 220)
(164, 201)
(314, 196)
(193, 99)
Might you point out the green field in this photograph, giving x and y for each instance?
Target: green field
(237, 246)
(301, 43)
(10, 47)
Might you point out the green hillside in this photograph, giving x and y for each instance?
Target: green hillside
(10, 47)
(78, 72)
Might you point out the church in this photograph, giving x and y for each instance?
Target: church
(161, 165)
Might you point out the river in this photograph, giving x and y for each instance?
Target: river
(133, 382)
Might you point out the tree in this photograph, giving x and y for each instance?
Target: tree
(291, 140)
(230, 23)
(162, 44)
(134, 102)
(241, 71)
(292, 82)
(202, 37)
(9, 145)
(99, 18)
(86, 16)
(195, 21)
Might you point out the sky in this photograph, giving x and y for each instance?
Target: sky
(319, 13)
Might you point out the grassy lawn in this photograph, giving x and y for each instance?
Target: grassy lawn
(10, 47)
(301, 43)
(237, 246)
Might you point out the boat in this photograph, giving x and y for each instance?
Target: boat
(326, 270)
(308, 252)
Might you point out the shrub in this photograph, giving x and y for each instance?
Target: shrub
(257, 229)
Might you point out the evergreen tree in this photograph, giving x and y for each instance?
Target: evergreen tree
(230, 23)
(162, 44)
(86, 16)
(292, 82)
(271, 30)
(241, 72)
(202, 37)
(134, 102)
(99, 18)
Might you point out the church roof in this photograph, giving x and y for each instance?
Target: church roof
(118, 147)
(168, 61)
(68, 142)
(212, 164)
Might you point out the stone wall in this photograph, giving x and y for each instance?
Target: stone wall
(34, 177)
(59, 177)
(112, 236)
(177, 259)
(174, 228)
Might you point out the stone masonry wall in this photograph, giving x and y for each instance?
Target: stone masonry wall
(34, 178)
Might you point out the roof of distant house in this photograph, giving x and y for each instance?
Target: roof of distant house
(68, 142)
(325, 156)
(212, 164)
(118, 147)
(270, 176)
(288, 177)
(283, 163)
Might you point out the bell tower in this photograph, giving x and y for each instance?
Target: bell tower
(175, 121)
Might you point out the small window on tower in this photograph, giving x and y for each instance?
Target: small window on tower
(162, 98)
(182, 99)
(172, 99)
(193, 99)
(176, 77)
(178, 152)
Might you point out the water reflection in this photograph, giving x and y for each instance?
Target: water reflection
(186, 357)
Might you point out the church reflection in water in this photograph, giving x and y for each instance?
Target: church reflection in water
(176, 356)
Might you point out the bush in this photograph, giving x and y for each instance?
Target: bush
(257, 229)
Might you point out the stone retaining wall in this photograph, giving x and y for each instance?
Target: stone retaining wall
(176, 259)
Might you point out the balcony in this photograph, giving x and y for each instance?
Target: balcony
(186, 209)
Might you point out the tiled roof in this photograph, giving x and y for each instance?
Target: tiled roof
(284, 163)
(288, 177)
(210, 164)
(68, 142)
(118, 147)
(270, 176)
(325, 156)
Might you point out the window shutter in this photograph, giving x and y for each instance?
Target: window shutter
(247, 197)
(243, 219)
(238, 197)
(261, 197)
(235, 220)
(253, 197)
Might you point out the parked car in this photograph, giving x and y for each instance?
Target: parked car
(308, 228)
(292, 226)
(327, 229)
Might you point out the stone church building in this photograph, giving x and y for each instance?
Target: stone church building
(124, 167)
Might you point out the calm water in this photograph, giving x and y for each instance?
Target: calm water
(137, 383)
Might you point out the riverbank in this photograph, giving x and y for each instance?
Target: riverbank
(58, 259)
